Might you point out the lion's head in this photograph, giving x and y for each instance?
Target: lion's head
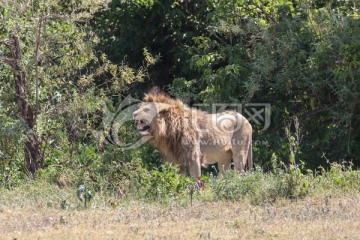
(149, 117)
(145, 117)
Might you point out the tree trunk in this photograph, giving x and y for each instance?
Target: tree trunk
(32, 153)
(32, 145)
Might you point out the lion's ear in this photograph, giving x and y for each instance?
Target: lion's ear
(163, 108)
(148, 98)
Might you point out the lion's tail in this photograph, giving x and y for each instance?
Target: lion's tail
(250, 157)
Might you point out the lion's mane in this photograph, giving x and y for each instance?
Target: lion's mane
(173, 130)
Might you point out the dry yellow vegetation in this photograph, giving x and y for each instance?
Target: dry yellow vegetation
(311, 218)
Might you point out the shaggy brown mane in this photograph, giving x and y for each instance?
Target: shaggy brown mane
(168, 134)
(162, 98)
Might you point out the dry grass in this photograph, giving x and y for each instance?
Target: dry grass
(311, 218)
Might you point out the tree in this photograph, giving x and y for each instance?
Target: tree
(46, 46)
(32, 145)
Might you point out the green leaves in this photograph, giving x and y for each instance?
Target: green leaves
(61, 73)
(84, 195)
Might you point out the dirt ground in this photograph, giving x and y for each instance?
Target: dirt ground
(311, 218)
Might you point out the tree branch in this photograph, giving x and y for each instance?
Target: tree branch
(17, 47)
(317, 111)
(6, 43)
(54, 16)
(8, 61)
(38, 33)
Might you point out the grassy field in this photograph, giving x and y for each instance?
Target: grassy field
(43, 211)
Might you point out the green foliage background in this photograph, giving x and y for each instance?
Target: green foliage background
(302, 57)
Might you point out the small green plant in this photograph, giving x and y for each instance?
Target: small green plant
(84, 194)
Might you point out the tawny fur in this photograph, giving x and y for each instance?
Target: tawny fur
(192, 138)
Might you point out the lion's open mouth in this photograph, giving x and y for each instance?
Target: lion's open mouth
(143, 127)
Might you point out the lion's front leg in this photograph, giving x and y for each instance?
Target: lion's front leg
(193, 159)
(195, 168)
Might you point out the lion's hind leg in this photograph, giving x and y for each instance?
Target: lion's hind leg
(224, 164)
(241, 155)
(239, 161)
(250, 158)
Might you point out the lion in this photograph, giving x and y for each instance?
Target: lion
(192, 138)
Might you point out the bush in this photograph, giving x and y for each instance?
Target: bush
(161, 184)
(261, 187)
(340, 177)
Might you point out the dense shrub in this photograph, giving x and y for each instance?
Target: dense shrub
(261, 187)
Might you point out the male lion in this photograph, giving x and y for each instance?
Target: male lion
(192, 138)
